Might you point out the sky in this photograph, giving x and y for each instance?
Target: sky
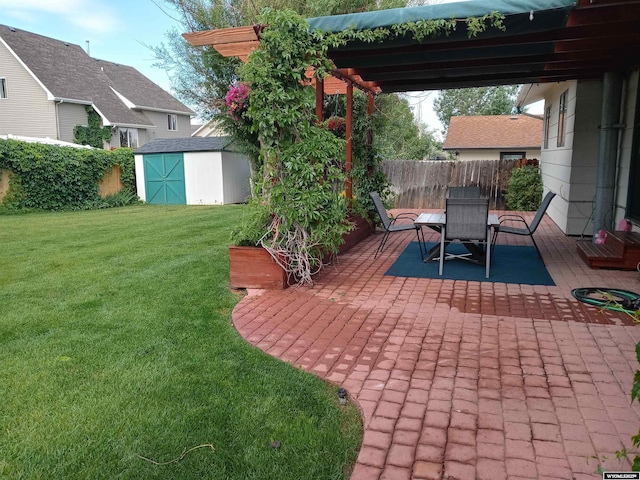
(117, 30)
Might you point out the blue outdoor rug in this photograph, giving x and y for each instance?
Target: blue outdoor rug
(509, 264)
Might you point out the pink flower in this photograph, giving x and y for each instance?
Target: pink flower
(237, 99)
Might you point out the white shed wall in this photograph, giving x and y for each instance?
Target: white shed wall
(235, 174)
(203, 178)
(211, 178)
(139, 167)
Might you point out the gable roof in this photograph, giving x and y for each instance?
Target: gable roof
(494, 131)
(187, 144)
(139, 90)
(68, 74)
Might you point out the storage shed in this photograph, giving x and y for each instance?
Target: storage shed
(191, 171)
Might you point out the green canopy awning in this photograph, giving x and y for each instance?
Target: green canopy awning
(544, 41)
(462, 9)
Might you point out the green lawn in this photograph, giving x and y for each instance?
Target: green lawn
(116, 343)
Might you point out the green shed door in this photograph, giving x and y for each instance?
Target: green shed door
(164, 178)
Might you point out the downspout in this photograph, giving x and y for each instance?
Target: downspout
(57, 112)
(607, 153)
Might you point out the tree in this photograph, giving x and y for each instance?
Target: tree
(475, 101)
(200, 76)
(398, 135)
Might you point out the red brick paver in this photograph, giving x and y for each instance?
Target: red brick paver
(460, 379)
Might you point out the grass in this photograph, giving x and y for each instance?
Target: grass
(116, 343)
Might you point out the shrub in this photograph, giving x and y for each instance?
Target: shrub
(525, 189)
(255, 222)
(121, 199)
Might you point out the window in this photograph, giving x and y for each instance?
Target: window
(512, 155)
(129, 137)
(562, 118)
(3, 88)
(172, 122)
(547, 125)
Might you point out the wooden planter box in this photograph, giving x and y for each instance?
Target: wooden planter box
(253, 267)
(361, 231)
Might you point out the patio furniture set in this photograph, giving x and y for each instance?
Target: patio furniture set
(466, 219)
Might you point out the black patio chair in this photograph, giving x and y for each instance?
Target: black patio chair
(388, 223)
(463, 192)
(467, 222)
(528, 229)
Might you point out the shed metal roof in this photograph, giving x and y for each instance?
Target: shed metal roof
(187, 144)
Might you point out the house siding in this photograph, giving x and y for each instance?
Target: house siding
(556, 165)
(70, 115)
(571, 170)
(161, 130)
(26, 111)
(588, 107)
(159, 119)
(486, 154)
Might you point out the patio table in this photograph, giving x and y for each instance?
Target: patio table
(435, 221)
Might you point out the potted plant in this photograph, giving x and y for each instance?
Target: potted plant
(250, 265)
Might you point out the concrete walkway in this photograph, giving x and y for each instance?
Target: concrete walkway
(460, 379)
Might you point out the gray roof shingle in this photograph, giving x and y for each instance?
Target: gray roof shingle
(68, 73)
(138, 89)
(494, 131)
(187, 144)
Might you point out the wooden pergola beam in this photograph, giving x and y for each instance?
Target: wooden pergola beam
(222, 36)
(241, 41)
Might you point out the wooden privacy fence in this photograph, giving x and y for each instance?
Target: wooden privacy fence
(423, 184)
(111, 183)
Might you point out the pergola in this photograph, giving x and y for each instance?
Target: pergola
(544, 41)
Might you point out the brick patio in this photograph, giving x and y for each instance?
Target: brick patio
(460, 379)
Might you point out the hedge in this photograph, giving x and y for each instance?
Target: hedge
(51, 177)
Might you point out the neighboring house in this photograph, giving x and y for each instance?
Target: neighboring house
(191, 171)
(494, 137)
(210, 129)
(46, 85)
(574, 160)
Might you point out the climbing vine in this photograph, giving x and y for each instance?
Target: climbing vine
(301, 177)
(50, 177)
(93, 134)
